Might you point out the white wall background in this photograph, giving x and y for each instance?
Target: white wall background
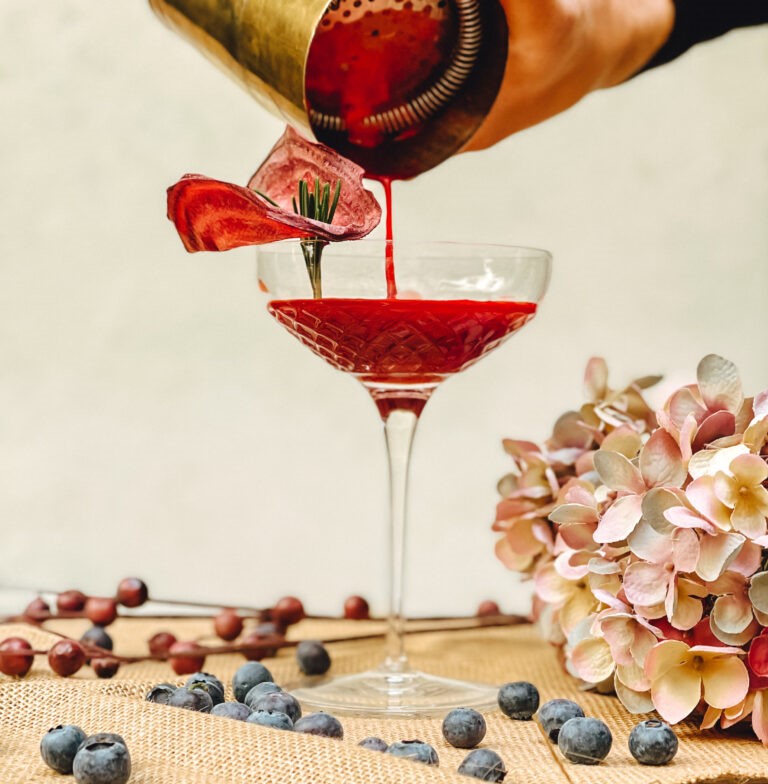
(154, 420)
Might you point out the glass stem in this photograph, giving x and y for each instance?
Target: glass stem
(399, 429)
(313, 250)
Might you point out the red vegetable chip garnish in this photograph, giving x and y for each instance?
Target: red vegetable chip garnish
(214, 215)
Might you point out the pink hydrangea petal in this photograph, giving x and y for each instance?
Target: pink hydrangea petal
(618, 473)
(522, 540)
(715, 427)
(620, 519)
(578, 537)
(632, 675)
(748, 559)
(719, 383)
(687, 434)
(750, 469)
(592, 660)
(663, 656)
(716, 553)
(596, 379)
(569, 431)
(732, 614)
(572, 565)
(681, 517)
(725, 680)
(711, 717)
(624, 440)
(617, 631)
(551, 587)
(646, 583)
(758, 656)
(512, 560)
(685, 550)
(683, 404)
(683, 611)
(661, 463)
(676, 694)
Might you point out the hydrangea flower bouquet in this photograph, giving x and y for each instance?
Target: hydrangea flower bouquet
(645, 536)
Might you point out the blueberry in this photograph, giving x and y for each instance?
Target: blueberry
(259, 690)
(464, 728)
(518, 700)
(161, 693)
(231, 710)
(279, 701)
(102, 761)
(104, 737)
(653, 742)
(483, 764)
(209, 683)
(373, 743)
(415, 750)
(247, 677)
(97, 636)
(59, 746)
(320, 724)
(585, 741)
(313, 658)
(555, 713)
(191, 698)
(274, 719)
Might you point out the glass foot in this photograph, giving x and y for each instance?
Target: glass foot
(385, 693)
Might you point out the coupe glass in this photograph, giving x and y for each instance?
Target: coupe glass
(454, 303)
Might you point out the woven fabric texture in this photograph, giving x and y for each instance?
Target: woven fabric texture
(176, 746)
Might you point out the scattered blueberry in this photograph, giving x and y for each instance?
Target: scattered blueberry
(209, 683)
(518, 700)
(555, 713)
(373, 743)
(416, 750)
(280, 701)
(193, 698)
(106, 737)
(247, 677)
(231, 710)
(100, 760)
(59, 746)
(653, 742)
(464, 728)
(259, 690)
(483, 764)
(312, 657)
(274, 719)
(97, 636)
(320, 724)
(161, 693)
(585, 741)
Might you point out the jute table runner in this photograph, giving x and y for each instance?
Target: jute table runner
(172, 745)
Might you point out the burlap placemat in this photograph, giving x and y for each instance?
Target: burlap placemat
(171, 745)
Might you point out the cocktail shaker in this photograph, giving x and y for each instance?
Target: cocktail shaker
(396, 85)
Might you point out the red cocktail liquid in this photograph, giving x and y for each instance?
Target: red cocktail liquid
(401, 349)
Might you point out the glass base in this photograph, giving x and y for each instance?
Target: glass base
(387, 693)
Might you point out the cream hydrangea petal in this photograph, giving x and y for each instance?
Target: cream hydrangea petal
(726, 489)
(716, 553)
(592, 660)
(521, 538)
(634, 701)
(573, 514)
(711, 717)
(710, 461)
(758, 591)
(580, 604)
(551, 587)
(681, 517)
(661, 463)
(701, 495)
(742, 638)
(683, 611)
(655, 502)
(620, 519)
(676, 694)
(732, 613)
(663, 656)
(646, 583)
(760, 716)
(650, 545)
(726, 681)
(750, 469)
(624, 440)
(633, 675)
(719, 383)
(569, 431)
(749, 518)
(618, 473)
(511, 559)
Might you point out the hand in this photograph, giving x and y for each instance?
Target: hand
(560, 50)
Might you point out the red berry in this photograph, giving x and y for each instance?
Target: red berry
(256, 647)
(160, 643)
(228, 624)
(66, 657)
(19, 664)
(100, 610)
(70, 601)
(37, 610)
(132, 592)
(105, 667)
(288, 610)
(356, 608)
(487, 608)
(186, 665)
